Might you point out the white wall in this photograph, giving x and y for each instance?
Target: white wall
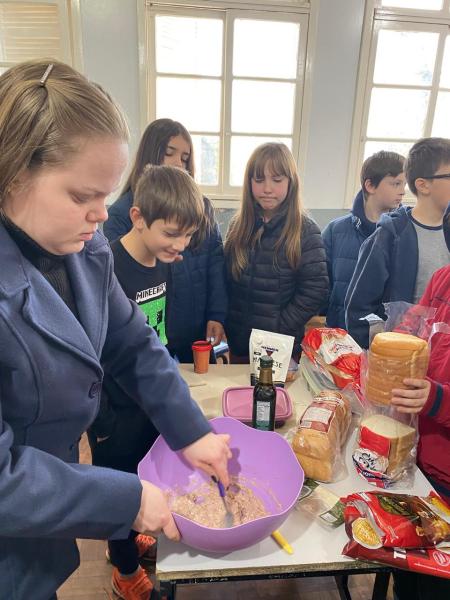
(110, 51)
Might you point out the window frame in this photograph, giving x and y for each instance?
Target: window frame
(396, 19)
(225, 195)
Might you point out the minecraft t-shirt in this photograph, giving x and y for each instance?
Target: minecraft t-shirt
(147, 286)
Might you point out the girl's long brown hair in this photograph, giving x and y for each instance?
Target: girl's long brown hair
(241, 235)
(151, 151)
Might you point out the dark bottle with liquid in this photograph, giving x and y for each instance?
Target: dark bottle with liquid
(264, 397)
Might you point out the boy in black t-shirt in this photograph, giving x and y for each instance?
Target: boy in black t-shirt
(168, 210)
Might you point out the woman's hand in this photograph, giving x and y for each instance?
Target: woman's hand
(154, 515)
(413, 399)
(211, 453)
(214, 330)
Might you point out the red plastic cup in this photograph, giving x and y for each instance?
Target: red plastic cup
(201, 350)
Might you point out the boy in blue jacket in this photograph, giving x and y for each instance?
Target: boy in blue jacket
(382, 189)
(168, 209)
(397, 261)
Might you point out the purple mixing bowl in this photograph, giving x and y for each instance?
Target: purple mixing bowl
(263, 458)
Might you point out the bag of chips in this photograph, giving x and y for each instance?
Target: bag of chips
(366, 541)
(396, 520)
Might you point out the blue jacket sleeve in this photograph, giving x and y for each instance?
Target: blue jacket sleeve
(216, 307)
(367, 286)
(142, 367)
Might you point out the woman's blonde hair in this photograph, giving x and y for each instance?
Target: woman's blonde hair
(242, 235)
(169, 193)
(43, 119)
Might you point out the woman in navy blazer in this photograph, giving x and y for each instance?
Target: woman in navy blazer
(198, 300)
(63, 318)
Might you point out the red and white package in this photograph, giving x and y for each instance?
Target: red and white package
(335, 351)
(366, 543)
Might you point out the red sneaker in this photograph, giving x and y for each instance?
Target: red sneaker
(146, 545)
(137, 587)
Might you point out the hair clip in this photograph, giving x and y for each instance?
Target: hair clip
(45, 76)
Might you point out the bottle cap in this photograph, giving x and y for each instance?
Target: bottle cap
(266, 362)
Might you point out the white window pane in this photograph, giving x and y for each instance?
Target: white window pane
(265, 49)
(425, 4)
(262, 107)
(189, 45)
(397, 113)
(405, 57)
(206, 153)
(241, 149)
(445, 73)
(441, 122)
(371, 147)
(193, 102)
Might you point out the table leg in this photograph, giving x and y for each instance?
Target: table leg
(168, 590)
(380, 586)
(342, 586)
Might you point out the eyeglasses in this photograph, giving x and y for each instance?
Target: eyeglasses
(441, 176)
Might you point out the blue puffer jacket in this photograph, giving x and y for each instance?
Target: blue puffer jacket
(198, 282)
(386, 271)
(343, 238)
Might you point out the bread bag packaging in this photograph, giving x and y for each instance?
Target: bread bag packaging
(276, 345)
(320, 435)
(392, 357)
(385, 450)
(335, 352)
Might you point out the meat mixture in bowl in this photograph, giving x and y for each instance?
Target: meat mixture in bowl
(205, 506)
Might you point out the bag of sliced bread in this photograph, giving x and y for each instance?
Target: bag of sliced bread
(385, 451)
(276, 345)
(320, 435)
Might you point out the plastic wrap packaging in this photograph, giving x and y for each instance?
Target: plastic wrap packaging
(278, 347)
(321, 433)
(319, 502)
(375, 525)
(334, 351)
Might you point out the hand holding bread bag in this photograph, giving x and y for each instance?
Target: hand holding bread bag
(393, 357)
(320, 435)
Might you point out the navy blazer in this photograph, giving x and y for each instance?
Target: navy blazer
(198, 291)
(50, 384)
(343, 238)
(386, 271)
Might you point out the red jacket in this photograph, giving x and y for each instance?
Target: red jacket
(433, 454)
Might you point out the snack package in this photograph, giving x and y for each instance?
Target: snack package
(365, 543)
(385, 449)
(276, 345)
(320, 435)
(319, 502)
(397, 520)
(336, 352)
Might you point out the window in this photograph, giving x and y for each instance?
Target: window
(234, 78)
(33, 29)
(404, 81)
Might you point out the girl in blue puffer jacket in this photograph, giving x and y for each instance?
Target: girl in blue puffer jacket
(199, 301)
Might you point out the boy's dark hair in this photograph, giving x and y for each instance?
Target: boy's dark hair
(380, 165)
(169, 193)
(425, 158)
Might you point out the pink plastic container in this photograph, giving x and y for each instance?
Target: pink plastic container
(237, 402)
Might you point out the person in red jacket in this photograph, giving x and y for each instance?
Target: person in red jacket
(430, 398)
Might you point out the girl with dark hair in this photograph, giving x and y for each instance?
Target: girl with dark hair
(198, 305)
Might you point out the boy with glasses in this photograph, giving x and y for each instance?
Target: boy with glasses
(409, 245)
(382, 189)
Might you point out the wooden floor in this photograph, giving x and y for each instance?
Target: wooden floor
(92, 580)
